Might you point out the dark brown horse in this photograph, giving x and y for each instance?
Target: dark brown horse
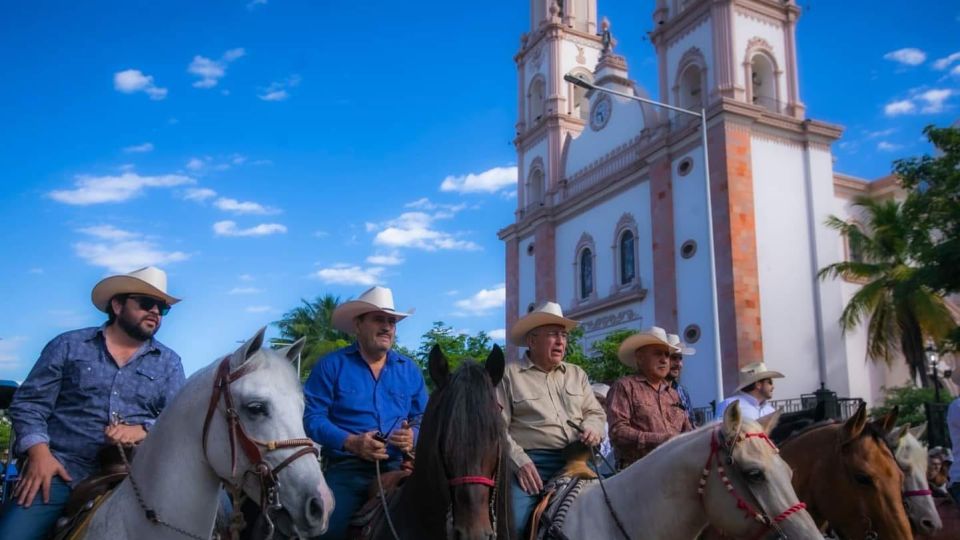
(849, 478)
(459, 488)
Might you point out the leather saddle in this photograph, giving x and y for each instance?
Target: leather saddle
(370, 516)
(546, 520)
(92, 490)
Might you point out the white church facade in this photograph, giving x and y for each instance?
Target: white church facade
(611, 218)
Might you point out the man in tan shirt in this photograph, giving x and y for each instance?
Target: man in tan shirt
(644, 409)
(539, 394)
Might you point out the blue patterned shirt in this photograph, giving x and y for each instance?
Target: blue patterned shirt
(75, 388)
(342, 398)
(684, 399)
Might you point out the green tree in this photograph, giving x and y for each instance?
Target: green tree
(312, 320)
(456, 346)
(910, 399)
(602, 365)
(900, 310)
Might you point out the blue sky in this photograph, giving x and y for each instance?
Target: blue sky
(262, 152)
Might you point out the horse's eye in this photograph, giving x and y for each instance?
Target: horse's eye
(754, 476)
(257, 408)
(863, 479)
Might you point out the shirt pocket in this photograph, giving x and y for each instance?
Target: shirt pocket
(529, 405)
(400, 399)
(573, 400)
(350, 397)
(81, 374)
(147, 383)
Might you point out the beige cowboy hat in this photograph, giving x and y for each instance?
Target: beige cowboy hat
(757, 371)
(680, 346)
(375, 298)
(653, 336)
(149, 281)
(546, 313)
(600, 390)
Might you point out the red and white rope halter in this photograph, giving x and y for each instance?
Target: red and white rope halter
(750, 511)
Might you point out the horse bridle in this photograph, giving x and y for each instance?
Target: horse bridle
(481, 481)
(717, 444)
(266, 475)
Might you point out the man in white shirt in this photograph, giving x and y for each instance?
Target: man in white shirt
(953, 424)
(755, 391)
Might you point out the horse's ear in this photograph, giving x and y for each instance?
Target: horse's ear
(495, 364)
(438, 366)
(894, 437)
(248, 349)
(769, 421)
(918, 431)
(854, 425)
(732, 420)
(292, 351)
(887, 422)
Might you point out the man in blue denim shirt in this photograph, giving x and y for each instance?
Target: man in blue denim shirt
(358, 393)
(676, 368)
(89, 388)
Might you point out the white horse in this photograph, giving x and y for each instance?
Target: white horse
(180, 466)
(659, 496)
(912, 457)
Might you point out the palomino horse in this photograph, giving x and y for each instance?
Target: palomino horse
(849, 478)
(238, 422)
(917, 497)
(459, 487)
(727, 475)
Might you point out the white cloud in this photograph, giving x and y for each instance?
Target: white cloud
(108, 232)
(139, 148)
(131, 81)
(500, 334)
(415, 230)
(195, 164)
(945, 62)
(229, 228)
(897, 108)
(199, 194)
(10, 352)
(113, 189)
(211, 71)
(243, 207)
(254, 3)
(36, 270)
(880, 133)
(277, 91)
(385, 259)
(934, 100)
(126, 255)
(345, 274)
(489, 181)
(484, 300)
(885, 146)
(909, 56)
(245, 290)
(258, 309)
(245, 277)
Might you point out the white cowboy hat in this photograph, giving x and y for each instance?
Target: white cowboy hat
(149, 281)
(546, 313)
(756, 371)
(375, 298)
(681, 346)
(653, 336)
(600, 389)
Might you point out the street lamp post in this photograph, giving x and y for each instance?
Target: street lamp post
(702, 115)
(933, 359)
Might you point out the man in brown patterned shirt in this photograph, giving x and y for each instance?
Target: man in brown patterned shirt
(644, 410)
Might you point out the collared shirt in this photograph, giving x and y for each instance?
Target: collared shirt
(342, 398)
(684, 398)
(953, 424)
(75, 389)
(643, 417)
(750, 407)
(537, 404)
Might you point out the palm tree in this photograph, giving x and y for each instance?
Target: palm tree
(901, 311)
(312, 320)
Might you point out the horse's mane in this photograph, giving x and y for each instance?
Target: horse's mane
(869, 430)
(461, 425)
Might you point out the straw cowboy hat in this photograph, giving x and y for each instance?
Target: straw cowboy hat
(149, 281)
(375, 298)
(600, 389)
(757, 371)
(653, 336)
(546, 313)
(680, 346)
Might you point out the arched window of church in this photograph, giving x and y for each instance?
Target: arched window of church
(763, 83)
(535, 188)
(581, 105)
(586, 273)
(691, 89)
(628, 263)
(537, 97)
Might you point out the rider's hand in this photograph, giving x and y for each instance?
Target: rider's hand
(402, 437)
(366, 446)
(529, 478)
(38, 474)
(124, 434)
(590, 437)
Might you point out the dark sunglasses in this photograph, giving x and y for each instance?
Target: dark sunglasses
(147, 303)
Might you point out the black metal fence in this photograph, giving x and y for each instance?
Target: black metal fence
(835, 408)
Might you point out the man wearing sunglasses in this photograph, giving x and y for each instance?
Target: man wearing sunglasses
(92, 387)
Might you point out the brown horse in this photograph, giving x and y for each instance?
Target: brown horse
(849, 478)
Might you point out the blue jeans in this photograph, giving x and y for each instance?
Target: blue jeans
(548, 464)
(349, 479)
(36, 522)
